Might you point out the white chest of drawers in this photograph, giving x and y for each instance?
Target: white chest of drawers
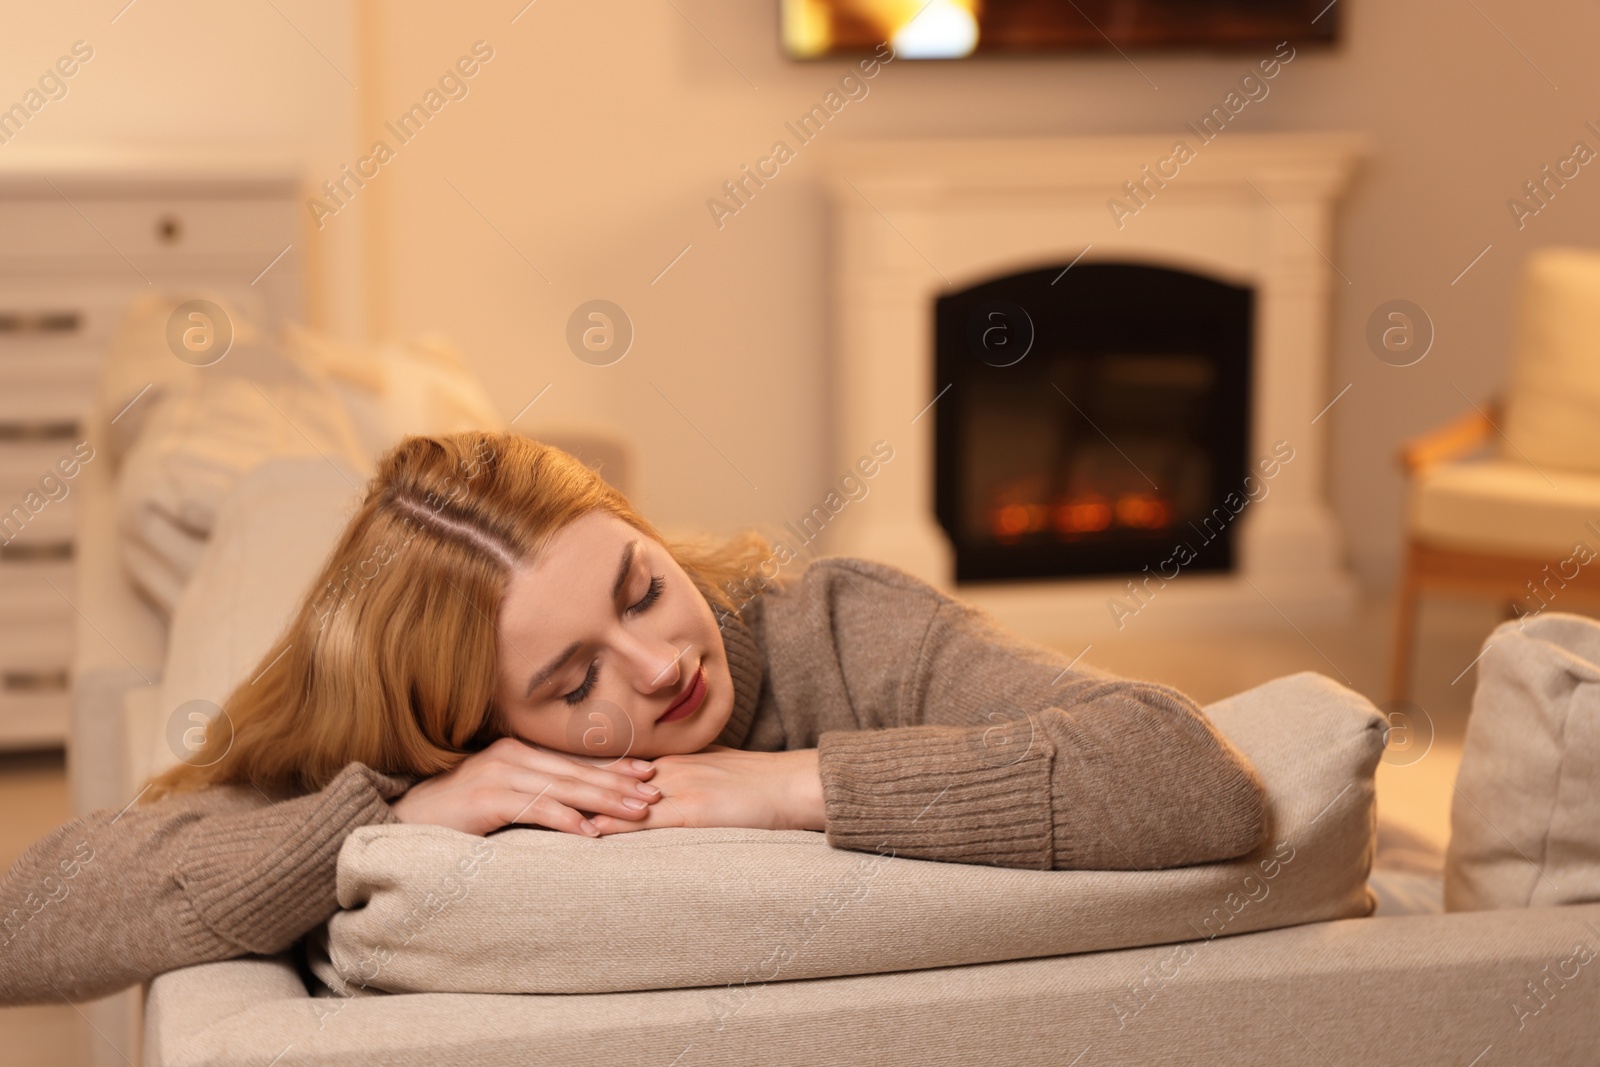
(80, 236)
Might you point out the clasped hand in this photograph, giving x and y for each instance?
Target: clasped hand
(514, 783)
(722, 786)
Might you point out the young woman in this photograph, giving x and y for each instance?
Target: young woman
(499, 639)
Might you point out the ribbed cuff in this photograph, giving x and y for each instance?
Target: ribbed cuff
(262, 878)
(962, 794)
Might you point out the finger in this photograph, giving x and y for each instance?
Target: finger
(525, 753)
(636, 769)
(566, 764)
(541, 809)
(607, 825)
(577, 793)
(623, 764)
(625, 784)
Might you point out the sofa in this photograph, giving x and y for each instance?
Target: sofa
(1353, 961)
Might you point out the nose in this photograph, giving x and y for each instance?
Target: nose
(656, 665)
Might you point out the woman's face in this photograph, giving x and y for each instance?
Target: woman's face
(600, 636)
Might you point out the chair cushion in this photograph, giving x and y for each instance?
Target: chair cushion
(1505, 507)
(1553, 401)
(525, 910)
(1525, 821)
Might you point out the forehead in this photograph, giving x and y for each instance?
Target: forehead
(565, 584)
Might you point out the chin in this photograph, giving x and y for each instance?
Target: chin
(676, 747)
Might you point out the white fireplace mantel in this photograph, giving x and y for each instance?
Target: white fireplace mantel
(915, 220)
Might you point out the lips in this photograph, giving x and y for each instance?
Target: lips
(689, 700)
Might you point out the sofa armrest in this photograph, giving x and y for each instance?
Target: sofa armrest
(1423, 989)
(143, 725)
(181, 1007)
(119, 641)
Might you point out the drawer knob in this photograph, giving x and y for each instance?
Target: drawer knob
(169, 229)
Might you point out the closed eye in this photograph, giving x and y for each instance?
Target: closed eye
(657, 584)
(580, 694)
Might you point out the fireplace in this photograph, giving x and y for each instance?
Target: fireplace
(1229, 358)
(1096, 413)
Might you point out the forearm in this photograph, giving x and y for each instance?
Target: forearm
(942, 736)
(1128, 776)
(1143, 780)
(112, 898)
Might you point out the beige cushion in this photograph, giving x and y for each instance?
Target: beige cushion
(1553, 403)
(532, 911)
(1525, 822)
(1506, 507)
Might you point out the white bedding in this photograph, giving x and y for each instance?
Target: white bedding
(188, 436)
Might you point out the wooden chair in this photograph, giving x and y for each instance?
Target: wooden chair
(1521, 525)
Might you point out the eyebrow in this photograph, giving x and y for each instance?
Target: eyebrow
(629, 551)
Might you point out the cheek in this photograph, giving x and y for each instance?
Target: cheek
(688, 616)
(533, 727)
(544, 725)
(598, 727)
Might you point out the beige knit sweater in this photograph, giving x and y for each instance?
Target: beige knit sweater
(939, 736)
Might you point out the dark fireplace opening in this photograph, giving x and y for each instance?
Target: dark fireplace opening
(1097, 415)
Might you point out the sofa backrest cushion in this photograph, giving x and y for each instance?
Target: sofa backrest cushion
(271, 537)
(527, 910)
(1525, 818)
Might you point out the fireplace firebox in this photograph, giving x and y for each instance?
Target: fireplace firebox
(1097, 414)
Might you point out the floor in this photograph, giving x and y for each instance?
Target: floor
(1414, 786)
(33, 795)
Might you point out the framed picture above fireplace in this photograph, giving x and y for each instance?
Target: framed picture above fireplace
(953, 29)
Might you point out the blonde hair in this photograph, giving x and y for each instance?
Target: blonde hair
(390, 658)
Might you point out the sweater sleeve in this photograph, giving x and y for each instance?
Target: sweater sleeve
(110, 899)
(964, 743)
